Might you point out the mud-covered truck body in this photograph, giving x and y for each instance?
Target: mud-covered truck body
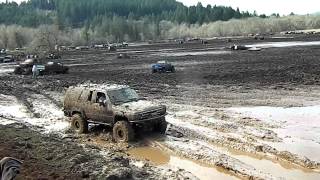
(117, 106)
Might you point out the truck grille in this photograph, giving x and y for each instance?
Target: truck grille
(151, 114)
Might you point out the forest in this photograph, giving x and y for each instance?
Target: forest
(78, 13)
(39, 23)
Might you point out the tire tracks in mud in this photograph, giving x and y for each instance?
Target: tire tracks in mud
(19, 94)
(25, 96)
(42, 111)
(210, 156)
(241, 134)
(54, 101)
(244, 146)
(202, 149)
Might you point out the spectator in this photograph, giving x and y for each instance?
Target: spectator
(35, 71)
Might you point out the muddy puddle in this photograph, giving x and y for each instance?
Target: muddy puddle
(154, 155)
(162, 158)
(261, 163)
(279, 170)
(300, 127)
(272, 166)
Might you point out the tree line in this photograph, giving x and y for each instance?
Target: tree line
(114, 29)
(85, 22)
(78, 13)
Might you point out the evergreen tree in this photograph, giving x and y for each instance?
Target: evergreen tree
(76, 13)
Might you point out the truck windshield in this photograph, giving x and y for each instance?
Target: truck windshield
(121, 96)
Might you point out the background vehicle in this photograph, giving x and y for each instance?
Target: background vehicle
(163, 66)
(25, 67)
(3, 51)
(53, 56)
(123, 44)
(112, 48)
(119, 107)
(239, 47)
(7, 59)
(100, 46)
(123, 56)
(55, 68)
(81, 48)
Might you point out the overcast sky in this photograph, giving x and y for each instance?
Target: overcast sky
(283, 7)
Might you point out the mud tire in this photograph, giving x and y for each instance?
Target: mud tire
(17, 70)
(173, 70)
(123, 132)
(161, 126)
(26, 71)
(78, 124)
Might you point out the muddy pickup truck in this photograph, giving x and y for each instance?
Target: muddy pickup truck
(117, 106)
(25, 68)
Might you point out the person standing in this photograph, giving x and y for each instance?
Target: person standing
(34, 71)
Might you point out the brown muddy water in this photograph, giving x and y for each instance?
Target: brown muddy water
(300, 129)
(162, 158)
(272, 166)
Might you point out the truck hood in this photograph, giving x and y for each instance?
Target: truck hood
(137, 106)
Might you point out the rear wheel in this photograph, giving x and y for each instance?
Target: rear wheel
(26, 71)
(79, 124)
(123, 132)
(161, 125)
(65, 70)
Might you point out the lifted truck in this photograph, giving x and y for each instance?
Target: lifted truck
(117, 106)
(163, 67)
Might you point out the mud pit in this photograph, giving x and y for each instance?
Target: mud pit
(214, 103)
(163, 158)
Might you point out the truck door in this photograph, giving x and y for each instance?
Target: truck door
(85, 100)
(101, 109)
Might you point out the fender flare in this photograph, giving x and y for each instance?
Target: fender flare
(79, 111)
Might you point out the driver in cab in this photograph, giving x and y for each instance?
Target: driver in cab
(102, 100)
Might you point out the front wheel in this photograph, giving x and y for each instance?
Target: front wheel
(65, 71)
(161, 126)
(154, 71)
(79, 124)
(173, 69)
(123, 132)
